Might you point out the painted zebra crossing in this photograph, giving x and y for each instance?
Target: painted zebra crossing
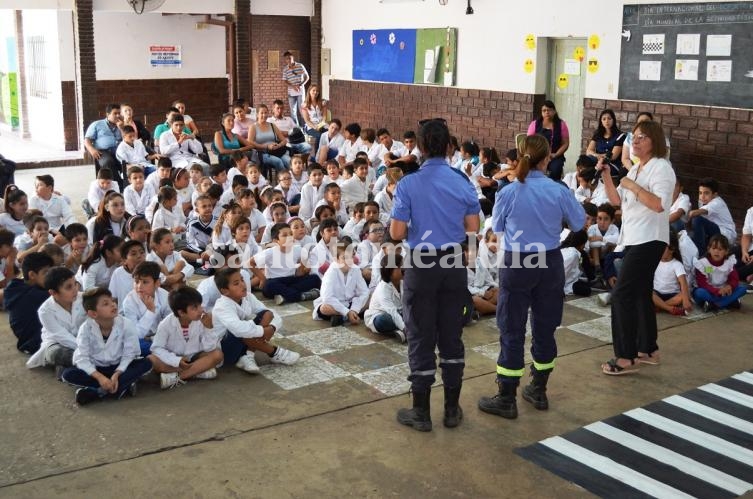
(695, 444)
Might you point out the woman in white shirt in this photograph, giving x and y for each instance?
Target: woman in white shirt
(645, 196)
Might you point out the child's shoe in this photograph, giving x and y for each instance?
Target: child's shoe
(678, 311)
(336, 320)
(708, 307)
(86, 396)
(248, 364)
(310, 295)
(604, 299)
(210, 373)
(284, 356)
(169, 380)
(279, 300)
(735, 305)
(400, 335)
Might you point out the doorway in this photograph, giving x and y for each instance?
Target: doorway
(566, 85)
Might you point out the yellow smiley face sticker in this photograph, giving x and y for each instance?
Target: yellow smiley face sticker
(593, 65)
(528, 66)
(563, 81)
(530, 41)
(579, 53)
(594, 42)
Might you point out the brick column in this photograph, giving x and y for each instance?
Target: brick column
(242, 49)
(83, 25)
(315, 71)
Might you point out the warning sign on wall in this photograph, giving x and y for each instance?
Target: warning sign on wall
(165, 56)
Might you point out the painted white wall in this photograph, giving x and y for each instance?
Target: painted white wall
(287, 8)
(122, 43)
(45, 115)
(66, 46)
(491, 48)
(171, 6)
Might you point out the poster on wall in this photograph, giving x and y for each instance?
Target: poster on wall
(424, 56)
(165, 56)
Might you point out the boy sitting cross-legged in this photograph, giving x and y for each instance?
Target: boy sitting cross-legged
(249, 325)
(146, 305)
(344, 291)
(105, 361)
(185, 345)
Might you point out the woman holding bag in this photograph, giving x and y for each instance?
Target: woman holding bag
(265, 138)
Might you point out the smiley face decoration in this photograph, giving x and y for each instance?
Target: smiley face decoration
(579, 54)
(593, 65)
(594, 42)
(530, 41)
(528, 66)
(563, 81)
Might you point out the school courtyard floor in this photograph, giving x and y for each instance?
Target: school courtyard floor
(326, 427)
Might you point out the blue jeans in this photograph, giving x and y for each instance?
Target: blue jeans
(279, 164)
(295, 102)
(146, 346)
(703, 230)
(135, 370)
(291, 287)
(314, 132)
(701, 296)
(383, 323)
(302, 148)
(677, 225)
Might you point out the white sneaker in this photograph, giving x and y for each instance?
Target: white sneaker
(604, 299)
(279, 300)
(210, 373)
(248, 364)
(170, 380)
(283, 356)
(400, 335)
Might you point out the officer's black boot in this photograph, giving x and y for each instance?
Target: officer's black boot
(453, 413)
(535, 392)
(503, 403)
(419, 417)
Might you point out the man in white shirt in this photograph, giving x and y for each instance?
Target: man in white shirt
(351, 145)
(388, 146)
(330, 142)
(285, 124)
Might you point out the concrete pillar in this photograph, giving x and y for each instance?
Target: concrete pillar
(21, 52)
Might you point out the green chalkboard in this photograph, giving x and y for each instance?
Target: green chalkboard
(436, 52)
(688, 53)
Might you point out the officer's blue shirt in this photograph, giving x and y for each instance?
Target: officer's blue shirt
(436, 198)
(104, 135)
(530, 213)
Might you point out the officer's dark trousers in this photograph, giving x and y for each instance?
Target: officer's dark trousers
(433, 303)
(633, 314)
(542, 291)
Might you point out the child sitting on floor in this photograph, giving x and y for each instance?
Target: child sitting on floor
(385, 312)
(121, 282)
(23, 297)
(146, 305)
(718, 283)
(186, 343)
(344, 293)
(60, 315)
(481, 286)
(671, 290)
(98, 267)
(250, 326)
(107, 346)
(175, 269)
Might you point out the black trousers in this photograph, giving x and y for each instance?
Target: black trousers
(108, 160)
(633, 314)
(433, 303)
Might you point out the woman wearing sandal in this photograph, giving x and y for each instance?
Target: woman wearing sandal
(645, 198)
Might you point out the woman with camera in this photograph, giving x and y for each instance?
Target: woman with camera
(607, 140)
(644, 198)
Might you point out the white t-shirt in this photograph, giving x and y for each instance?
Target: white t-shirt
(748, 227)
(681, 203)
(640, 224)
(720, 215)
(278, 264)
(665, 277)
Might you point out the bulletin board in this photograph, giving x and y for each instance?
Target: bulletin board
(700, 53)
(424, 56)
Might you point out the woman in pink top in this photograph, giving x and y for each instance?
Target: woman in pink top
(555, 130)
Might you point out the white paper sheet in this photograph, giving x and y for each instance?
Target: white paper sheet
(718, 45)
(650, 71)
(688, 44)
(719, 71)
(686, 69)
(572, 67)
(653, 44)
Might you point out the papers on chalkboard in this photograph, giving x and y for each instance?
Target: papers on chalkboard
(688, 44)
(719, 71)
(718, 45)
(650, 71)
(653, 44)
(686, 69)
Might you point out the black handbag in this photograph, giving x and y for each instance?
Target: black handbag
(296, 136)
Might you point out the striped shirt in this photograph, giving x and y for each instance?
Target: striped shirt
(295, 76)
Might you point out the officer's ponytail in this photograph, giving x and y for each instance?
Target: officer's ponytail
(535, 149)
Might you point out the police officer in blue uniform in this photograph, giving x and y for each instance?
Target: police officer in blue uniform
(434, 208)
(530, 212)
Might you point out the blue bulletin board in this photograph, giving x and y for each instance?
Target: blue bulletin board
(384, 55)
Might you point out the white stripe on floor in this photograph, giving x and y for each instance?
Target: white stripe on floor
(685, 432)
(710, 413)
(744, 377)
(728, 394)
(671, 458)
(608, 467)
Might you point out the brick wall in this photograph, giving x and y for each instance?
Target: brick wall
(705, 142)
(206, 99)
(70, 115)
(316, 44)
(243, 47)
(489, 118)
(276, 33)
(84, 38)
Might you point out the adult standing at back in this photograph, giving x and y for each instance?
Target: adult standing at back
(530, 213)
(295, 76)
(555, 130)
(645, 197)
(101, 141)
(434, 209)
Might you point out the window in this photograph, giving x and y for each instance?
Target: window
(35, 57)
